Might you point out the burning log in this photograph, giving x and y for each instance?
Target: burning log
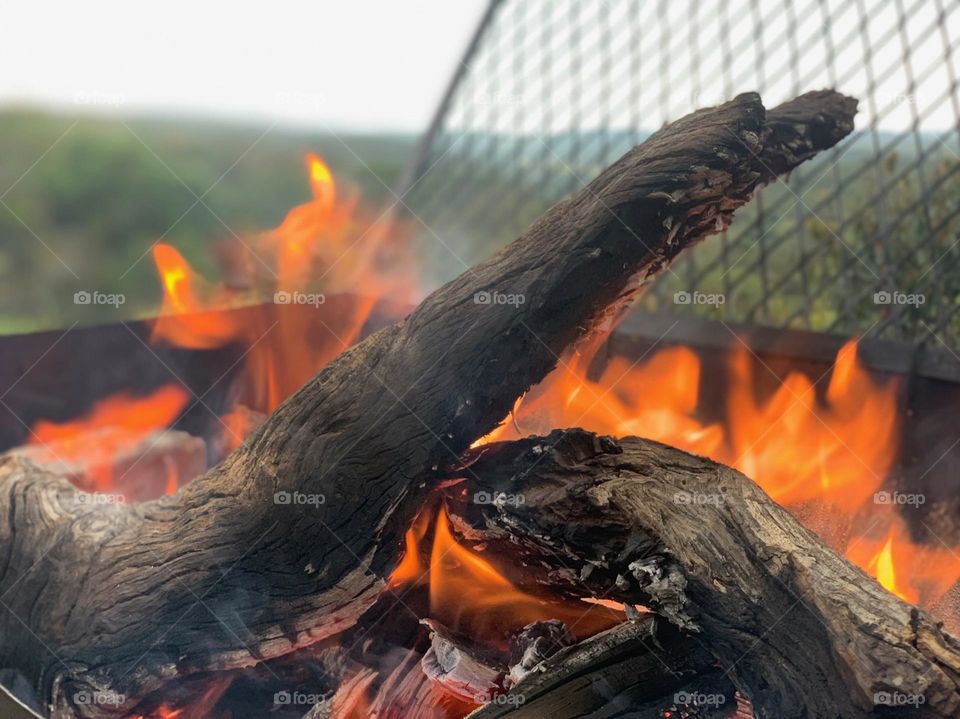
(645, 666)
(288, 540)
(799, 630)
(139, 469)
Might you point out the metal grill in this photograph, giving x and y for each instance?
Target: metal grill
(863, 240)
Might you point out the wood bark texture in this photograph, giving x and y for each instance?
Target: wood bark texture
(289, 539)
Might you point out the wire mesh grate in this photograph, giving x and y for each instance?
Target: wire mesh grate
(864, 239)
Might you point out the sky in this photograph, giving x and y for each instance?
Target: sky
(382, 65)
(346, 65)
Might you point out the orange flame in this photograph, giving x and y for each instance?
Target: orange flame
(795, 447)
(886, 573)
(182, 321)
(173, 480)
(119, 422)
(836, 450)
(469, 594)
(917, 573)
(799, 449)
(319, 248)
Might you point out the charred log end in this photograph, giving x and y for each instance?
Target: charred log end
(804, 126)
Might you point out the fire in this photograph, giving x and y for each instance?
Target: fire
(411, 569)
(113, 426)
(183, 321)
(799, 449)
(834, 448)
(802, 442)
(201, 708)
(170, 470)
(795, 446)
(320, 247)
(462, 581)
(624, 400)
(323, 246)
(469, 594)
(917, 573)
(886, 573)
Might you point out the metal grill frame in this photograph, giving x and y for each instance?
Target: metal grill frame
(860, 221)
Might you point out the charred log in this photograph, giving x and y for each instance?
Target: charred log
(641, 669)
(288, 540)
(800, 631)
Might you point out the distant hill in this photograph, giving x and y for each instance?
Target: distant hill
(98, 191)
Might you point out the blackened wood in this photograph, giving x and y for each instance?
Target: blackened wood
(643, 670)
(802, 632)
(289, 539)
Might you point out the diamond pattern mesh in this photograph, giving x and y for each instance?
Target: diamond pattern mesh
(865, 239)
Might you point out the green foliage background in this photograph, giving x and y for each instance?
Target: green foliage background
(97, 192)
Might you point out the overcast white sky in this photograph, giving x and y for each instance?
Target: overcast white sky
(351, 65)
(367, 65)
